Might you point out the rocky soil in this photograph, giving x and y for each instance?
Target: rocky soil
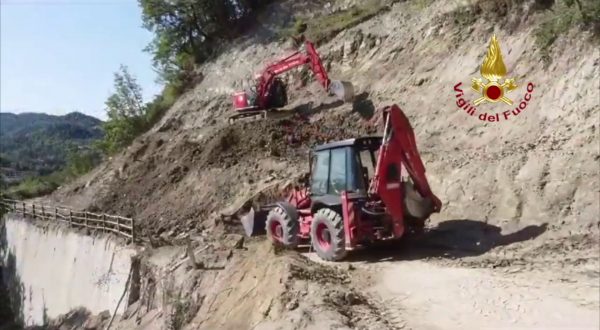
(520, 195)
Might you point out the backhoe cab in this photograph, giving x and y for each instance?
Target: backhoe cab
(360, 190)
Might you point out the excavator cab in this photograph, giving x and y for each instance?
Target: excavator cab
(246, 102)
(343, 166)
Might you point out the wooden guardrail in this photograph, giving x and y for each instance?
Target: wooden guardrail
(97, 221)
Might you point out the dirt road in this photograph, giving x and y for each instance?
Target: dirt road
(437, 297)
(431, 295)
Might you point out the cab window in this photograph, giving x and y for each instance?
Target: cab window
(320, 173)
(337, 176)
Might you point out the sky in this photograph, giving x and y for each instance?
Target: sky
(59, 56)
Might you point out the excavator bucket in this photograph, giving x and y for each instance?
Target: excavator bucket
(254, 222)
(343, 90)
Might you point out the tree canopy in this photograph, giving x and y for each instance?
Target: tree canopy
(187, 32)
(126, 112)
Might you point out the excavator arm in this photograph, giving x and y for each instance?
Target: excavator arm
(259, 98)
(289, 63)
(399, 150)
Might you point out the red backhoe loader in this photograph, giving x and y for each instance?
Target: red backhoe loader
(270, 92)
(360, 190)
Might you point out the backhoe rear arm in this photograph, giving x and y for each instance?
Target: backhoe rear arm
(399, 150)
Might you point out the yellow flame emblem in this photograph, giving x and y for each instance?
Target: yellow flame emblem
(493, 70)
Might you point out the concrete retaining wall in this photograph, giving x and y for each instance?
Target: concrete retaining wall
(50, 271)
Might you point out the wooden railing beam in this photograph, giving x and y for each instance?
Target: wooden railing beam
(118, 227)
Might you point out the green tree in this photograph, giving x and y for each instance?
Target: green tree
(82, 161)
(126, 113)
(187, 32)
(179, 34)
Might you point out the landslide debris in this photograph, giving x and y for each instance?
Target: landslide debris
(253, 287)
(182, 186)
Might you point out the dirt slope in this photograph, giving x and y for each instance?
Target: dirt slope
(517, 192)
(538, 167)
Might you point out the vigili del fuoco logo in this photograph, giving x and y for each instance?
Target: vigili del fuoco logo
(493, 89)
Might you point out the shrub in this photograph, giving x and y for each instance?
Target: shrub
(35, 186)
(564, 15)
(322, 28)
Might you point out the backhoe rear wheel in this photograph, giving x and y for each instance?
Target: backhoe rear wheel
(327, 235)
(282, 229)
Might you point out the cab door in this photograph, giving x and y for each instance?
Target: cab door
(330, 172)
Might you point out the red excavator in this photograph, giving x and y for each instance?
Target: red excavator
(360, 190)
(270, 92)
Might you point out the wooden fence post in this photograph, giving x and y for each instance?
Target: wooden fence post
(70, 218)
(103, 222)
(55, 214)
(132, 231)
(33, 210)
(43, 213)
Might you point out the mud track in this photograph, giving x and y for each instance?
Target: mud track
(431, 285)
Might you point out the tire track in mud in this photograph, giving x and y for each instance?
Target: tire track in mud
(429, 294)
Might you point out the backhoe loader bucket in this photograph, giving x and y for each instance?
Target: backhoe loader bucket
(343, 90)
(415, 205)
(254, 222)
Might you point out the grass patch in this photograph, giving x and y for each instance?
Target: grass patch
(323, 28)
(566, 14)
(465, 16)
(36, 186)
(559, 16)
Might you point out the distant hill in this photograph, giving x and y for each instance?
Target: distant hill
(40, 142)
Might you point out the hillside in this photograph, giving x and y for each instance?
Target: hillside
(520, 196)
(41, 142)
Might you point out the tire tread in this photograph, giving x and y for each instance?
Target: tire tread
(291, 227)
(338, 235)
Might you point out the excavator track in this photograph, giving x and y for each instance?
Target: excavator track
(248, 116)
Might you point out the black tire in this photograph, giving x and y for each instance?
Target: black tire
(281, 229)
(415, 227)
(327, 235)
(416, 206)
(278, 94)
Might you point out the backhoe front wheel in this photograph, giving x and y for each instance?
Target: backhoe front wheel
(327, 235)
(282, 229)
